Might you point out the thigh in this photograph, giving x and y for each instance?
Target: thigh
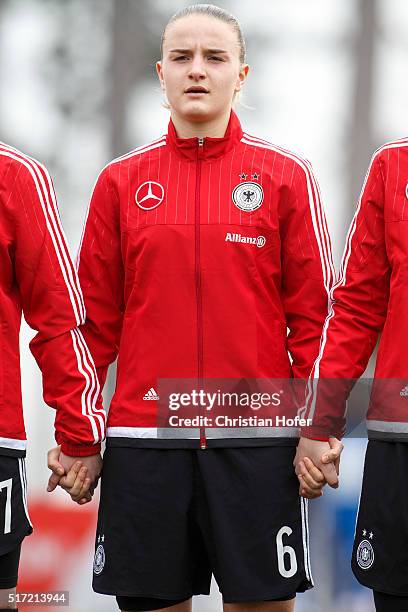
(9, 563)
(6, 597)
(145, 543)
(255, 524)
(287, 605)
(150, 604)
(380, 551)
(14, 519)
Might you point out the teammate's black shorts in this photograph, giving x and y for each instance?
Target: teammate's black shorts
(168, 519)
(380, 552)
(14, 520)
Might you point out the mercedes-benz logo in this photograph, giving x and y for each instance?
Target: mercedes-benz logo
(149, 195)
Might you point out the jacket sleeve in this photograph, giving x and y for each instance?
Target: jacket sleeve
(53, 305)
(100, 270)
(357, 314)
(307, 268)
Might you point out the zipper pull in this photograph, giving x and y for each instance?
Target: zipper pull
(200, 148)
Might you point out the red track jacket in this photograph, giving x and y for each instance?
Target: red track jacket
(370, 296)
(37, 277)
(197, 255)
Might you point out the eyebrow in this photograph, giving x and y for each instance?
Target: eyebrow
(189, 50)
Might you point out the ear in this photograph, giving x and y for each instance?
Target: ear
(243, 73)
(159, 70)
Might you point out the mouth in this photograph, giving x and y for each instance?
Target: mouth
(196, 90)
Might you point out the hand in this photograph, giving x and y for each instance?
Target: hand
(311, 479)
(77, 475)
(323, 456)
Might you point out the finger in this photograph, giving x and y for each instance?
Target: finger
(308, 479)
(330, 474)
(314, 471)
(308, 492)
(335, 443)
(336, 448)
(68, 481)
(84, 500)
(53, 461)
(337, 465)
(82, 492)
(53, 482)
(331, 456)
(54, 452)
(78, 484)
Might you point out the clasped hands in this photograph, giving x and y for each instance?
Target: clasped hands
(78, 476)
(316, 464)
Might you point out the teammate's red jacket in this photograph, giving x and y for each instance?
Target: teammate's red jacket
(370, 296)
(197, 255)
(37, 277)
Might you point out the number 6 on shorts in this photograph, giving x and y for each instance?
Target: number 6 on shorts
(285, 550)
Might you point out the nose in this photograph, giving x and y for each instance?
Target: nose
(197, 67)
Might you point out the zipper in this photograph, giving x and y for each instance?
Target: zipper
(200, 149)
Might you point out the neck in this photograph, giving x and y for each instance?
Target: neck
(215, 128)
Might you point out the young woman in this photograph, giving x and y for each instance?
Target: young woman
(371, 297)
(200, 249)
(37, 277)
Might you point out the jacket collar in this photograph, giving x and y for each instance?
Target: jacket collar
(212, 147)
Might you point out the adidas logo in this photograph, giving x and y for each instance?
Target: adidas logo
(151, 395)
(404, 392)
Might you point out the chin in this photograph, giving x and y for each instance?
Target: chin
(197, 112)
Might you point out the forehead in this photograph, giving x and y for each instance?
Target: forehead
(200, 31)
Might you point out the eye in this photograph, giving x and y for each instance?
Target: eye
(180, 57)
(216, 57)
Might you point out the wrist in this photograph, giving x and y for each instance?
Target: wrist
(320, 434)
(82, 450)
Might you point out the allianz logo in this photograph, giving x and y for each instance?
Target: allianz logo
(259, 241)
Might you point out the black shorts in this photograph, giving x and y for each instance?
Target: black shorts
(169, 519)
(380, 552)
(14, 519)
(9, 568)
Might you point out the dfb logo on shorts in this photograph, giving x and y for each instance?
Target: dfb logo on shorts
(365, 555)
(248, 196)
(149, 195)
(99, 560)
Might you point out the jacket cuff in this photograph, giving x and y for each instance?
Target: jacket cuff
(80, 451)
(318, 433)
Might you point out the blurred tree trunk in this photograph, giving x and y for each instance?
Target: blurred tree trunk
(361, 139)
(131, 59)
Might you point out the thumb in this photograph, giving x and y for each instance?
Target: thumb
(336, 448)
(53, 460)
(52, 482)
(330, 474)
(331, 456)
